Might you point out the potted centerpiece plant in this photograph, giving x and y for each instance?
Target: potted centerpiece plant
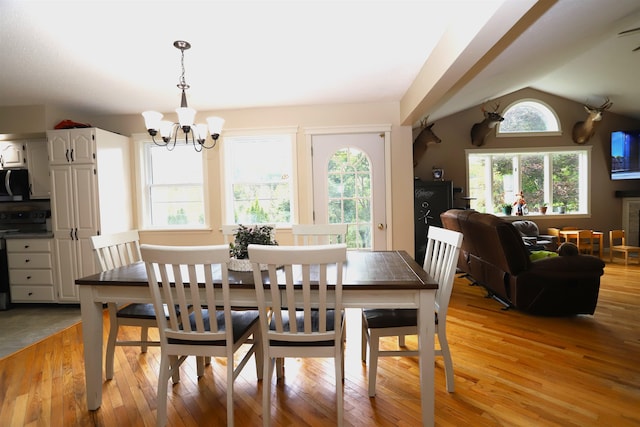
(506, 208)
(244, 236)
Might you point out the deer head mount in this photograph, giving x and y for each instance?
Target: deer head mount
(425, 138)
(583, 131)
(480, 130)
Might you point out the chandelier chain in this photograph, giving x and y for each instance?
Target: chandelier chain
(183, 84)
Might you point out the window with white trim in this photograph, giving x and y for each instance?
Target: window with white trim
(527, 117)
(259, 177)
(172, 187)
(554, 177)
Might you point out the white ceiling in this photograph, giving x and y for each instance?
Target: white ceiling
(117, 57)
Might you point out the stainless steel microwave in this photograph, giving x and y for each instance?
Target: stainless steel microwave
(14, 185)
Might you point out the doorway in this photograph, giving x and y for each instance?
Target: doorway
(349, 185)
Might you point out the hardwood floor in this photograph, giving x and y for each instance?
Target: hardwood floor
(511, 369)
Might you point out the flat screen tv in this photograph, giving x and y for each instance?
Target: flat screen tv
(625, 155)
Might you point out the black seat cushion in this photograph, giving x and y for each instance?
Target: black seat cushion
(242, 321)
(137, 311)
(141, 311)
(377, 318)
(315, 323)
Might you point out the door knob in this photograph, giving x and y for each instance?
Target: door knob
(380, 226)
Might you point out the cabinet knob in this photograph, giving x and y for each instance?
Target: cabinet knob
(26, 246)
(30, 293)
(28, 277)
(27, 260)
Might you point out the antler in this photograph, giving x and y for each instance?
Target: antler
(495, 107)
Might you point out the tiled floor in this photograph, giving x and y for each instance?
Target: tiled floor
(24, 324)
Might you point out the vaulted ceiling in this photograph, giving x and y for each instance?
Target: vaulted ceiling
(434, 57)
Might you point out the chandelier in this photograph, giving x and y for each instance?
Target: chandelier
(194, 133)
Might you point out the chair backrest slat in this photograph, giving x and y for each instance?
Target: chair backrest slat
(617, 238)
(312, 280)
(176, 276)
(116, 250)
(441, 259)
(318, 234)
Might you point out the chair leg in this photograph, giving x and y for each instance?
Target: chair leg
(364, 342)
(144, 337)
(401, 342)
(266, 390)
(259, 356)
(446, 355)
(111, 341)
(374, 345)
(163, 380)
(339, 391)
(280, 368)
(230, 389)
(200, 361)
(175, 369)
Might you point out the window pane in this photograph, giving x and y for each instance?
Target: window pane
(477, 182)
(502, 182)
(566, 181)
(349, 175)
(180, 165)
(528, 116)
(258, 179)
(174, 194)
(532, 179)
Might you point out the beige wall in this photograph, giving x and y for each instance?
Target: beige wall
(303, 117)
(455, 134)
(453, 130)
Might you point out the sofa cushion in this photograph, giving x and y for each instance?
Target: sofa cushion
(527, 228)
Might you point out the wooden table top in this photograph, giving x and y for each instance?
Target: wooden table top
(363, 270)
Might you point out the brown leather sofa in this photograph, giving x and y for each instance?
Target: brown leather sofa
(494, 256)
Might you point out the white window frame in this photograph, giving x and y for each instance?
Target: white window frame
(550, 113)
(226, 203)
(585, 175)
(141, 142)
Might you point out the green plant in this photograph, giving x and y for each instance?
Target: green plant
(259, 235)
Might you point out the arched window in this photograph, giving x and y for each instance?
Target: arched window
(528, 117)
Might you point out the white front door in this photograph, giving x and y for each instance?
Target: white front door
(349, 186)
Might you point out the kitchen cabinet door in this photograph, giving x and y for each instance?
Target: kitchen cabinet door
(38, 165)
(12, 155)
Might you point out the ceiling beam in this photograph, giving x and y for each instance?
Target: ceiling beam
(467, 46)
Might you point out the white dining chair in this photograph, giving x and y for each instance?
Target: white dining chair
(117, 250)
(319, 234)
(184, 279)
(441, 258)
(307, 318)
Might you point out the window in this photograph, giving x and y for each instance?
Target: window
(259, 177)
(349, 195)
(173, 190)
(528, 116)
(555, 177)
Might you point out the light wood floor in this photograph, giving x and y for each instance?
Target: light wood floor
(511, 369)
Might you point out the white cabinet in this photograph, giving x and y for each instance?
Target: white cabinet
(12, 155)
(69, 146)
(37, 159)
(31, 270)
(90, 195)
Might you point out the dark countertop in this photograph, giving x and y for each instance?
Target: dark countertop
(30, 235)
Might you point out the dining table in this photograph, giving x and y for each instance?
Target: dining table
(371, 279)
(572, 235)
